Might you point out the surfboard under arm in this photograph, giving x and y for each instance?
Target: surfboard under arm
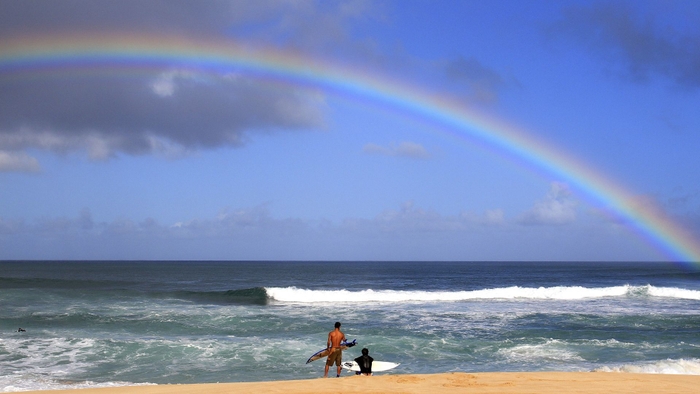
(324, 352)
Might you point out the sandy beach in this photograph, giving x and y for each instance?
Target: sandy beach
(498, 382)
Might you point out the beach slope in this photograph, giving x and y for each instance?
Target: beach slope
(498, 382)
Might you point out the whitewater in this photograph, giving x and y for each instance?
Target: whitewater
(102, 324)
(293, 294)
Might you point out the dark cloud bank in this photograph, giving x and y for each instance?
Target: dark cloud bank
(637, 46)
(168, 111)
(172, 111)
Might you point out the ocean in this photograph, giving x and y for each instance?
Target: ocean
(100, 324)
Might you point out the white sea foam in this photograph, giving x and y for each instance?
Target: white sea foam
(673, 292)
(35, 359)
(294, 294)
(551, 350)
(677, 367)
(58, 356)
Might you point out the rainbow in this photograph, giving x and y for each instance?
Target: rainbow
(49, 54)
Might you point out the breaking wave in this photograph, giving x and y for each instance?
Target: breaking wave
(672, 367)
(294, 294)
(252, 296)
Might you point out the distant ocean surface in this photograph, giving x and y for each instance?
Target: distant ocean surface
(95, 324)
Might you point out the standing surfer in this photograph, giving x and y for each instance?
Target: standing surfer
(335, 355)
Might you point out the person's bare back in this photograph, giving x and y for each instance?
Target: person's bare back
(335, 338)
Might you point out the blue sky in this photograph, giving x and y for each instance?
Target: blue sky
(99, 166)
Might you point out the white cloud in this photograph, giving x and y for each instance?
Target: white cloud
(491, 217)
(164, 85)
(18, 162)
(494, 216)
(411, 218)
(406, 149)
(408, 232)
(558, 207)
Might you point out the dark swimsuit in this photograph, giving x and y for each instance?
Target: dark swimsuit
(365, 363)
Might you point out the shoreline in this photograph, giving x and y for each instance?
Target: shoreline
(452, 382)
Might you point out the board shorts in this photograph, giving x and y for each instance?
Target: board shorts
(335, 357)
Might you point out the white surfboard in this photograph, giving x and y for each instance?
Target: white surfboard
(377, 366)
